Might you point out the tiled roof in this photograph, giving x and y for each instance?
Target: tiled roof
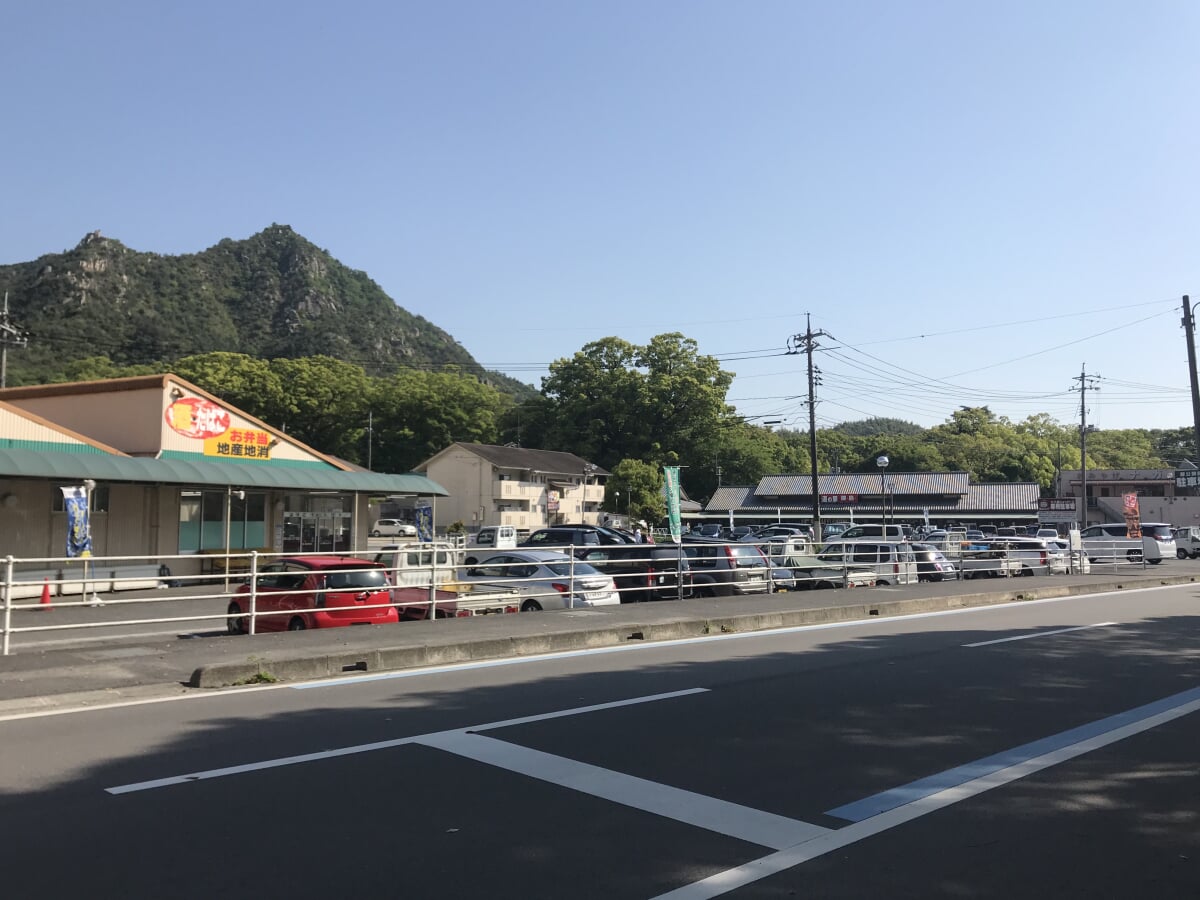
(865, 483)
(911, 495)
(548, 462)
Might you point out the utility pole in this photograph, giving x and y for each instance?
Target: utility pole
(807, 343)
(1085, 381)
(9, 336)
(370, 435)
(1189, 329)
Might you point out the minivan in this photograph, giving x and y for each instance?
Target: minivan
(643, 571)
(873, 532)
(495, 537)
(893, 562)
(1111, 541)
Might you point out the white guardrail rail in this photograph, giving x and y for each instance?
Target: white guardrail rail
(241, 592)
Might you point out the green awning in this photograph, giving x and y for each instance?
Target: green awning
(147, 470)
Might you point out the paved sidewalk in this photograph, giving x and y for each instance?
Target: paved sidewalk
(130, 669)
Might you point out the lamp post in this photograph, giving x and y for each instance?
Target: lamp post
(882, 461)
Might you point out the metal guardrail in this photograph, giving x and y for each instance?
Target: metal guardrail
(139, 585)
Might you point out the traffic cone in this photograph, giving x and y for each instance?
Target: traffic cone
(46, 595)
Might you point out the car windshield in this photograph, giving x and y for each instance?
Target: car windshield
(357, 579)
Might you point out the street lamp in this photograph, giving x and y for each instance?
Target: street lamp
(882, 461)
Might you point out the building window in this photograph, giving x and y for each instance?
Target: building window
(202, 521)
(99, 498)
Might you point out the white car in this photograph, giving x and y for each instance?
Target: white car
(1036, 555)
(547, 579)
(392, 528)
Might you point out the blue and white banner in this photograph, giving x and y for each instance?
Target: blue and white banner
(79, 526)
(424, 519)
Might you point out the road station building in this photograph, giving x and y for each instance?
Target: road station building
(173, 471)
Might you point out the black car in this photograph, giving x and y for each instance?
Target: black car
(932, 564)
(643, 571)
(572, 536)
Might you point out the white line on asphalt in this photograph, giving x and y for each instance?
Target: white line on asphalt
(384, 745)
(720, 816)
(1038, 634)
(100, 639)
(1151, 716)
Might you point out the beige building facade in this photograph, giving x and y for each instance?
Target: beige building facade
(528, 489)
(172, 471)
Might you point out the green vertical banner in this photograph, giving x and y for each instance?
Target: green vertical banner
(671, 475)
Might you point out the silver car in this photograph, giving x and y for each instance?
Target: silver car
(546, 579)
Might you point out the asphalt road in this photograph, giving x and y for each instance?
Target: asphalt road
(1045, 749)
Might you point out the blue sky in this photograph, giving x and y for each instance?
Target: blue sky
(974, 200)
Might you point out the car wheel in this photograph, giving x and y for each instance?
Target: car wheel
(1134, 556)
(296, 624)
(235, 624)
(1154, 562)
(531, 606)
(1181, 554)
(884, 583)
(1027, 571)
(375, 534)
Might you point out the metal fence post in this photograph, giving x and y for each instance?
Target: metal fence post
(253, 586)
(571, 579)
(432, 583)
(8, 574)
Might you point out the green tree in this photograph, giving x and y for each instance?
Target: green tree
(614, 400)
(640, 488)
(250, 384)
(417, 414)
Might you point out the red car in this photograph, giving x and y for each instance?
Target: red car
(315, 592)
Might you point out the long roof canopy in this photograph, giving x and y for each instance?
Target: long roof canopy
(147, 470)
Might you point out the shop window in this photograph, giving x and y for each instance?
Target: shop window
(202, 521)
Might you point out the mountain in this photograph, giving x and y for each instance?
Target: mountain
(272, 295)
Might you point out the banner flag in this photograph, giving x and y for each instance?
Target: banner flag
(79, 527)
(671, 475)
(424, 517)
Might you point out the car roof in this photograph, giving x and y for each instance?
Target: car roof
(528, 555)
(332, 562)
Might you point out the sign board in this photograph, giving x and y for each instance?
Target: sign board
(1057, 509)
(1187, 478)
(832, 499)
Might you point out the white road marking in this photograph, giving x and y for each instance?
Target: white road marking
(1150, 716)
(1038, 634)
(382, 745)
(720, 816)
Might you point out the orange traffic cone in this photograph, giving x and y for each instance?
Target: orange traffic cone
(46, 595)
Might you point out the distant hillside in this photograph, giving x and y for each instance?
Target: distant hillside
(272, 295)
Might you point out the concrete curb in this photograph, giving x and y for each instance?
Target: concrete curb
(297, 665)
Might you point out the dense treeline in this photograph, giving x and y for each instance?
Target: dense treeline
(631, 409)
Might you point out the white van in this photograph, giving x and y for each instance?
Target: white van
(893, 562)
(392, 528)
(1111, 542)
(873, 532)
(495, 537)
